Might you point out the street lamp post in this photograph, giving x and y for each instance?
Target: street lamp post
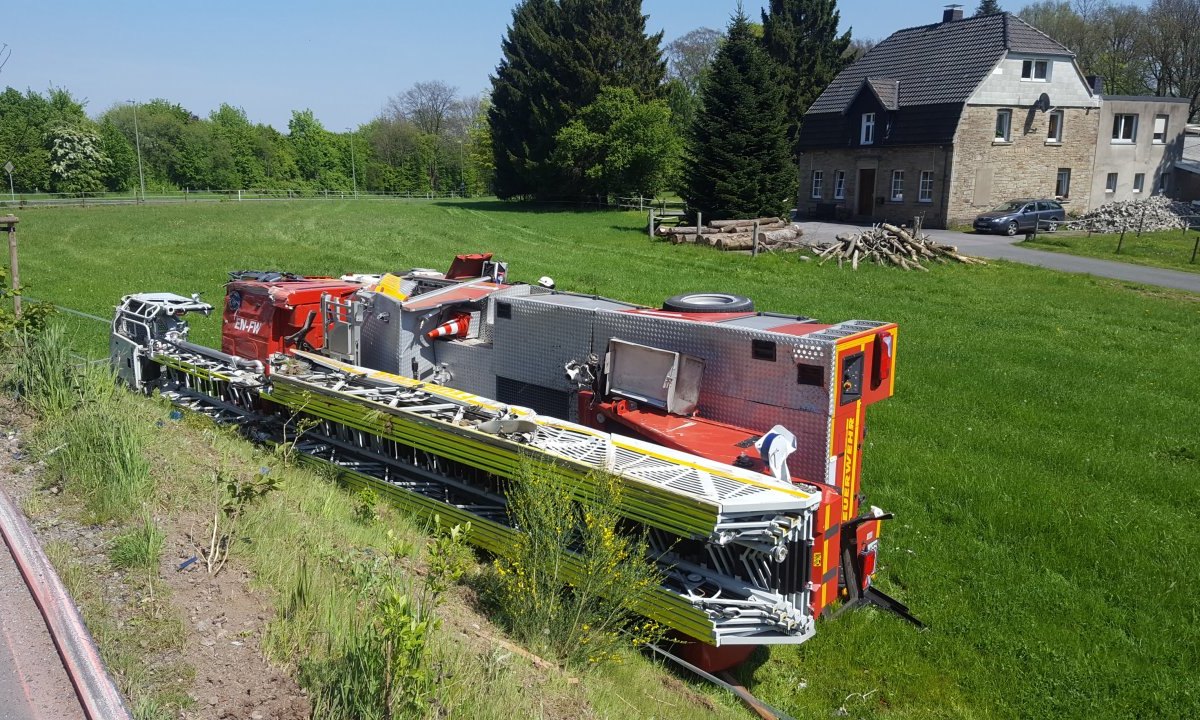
(353, 167)
(137, 136)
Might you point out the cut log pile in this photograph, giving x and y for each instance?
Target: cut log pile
(773, 233)
(887, 244)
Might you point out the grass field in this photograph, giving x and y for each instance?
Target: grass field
(1171, 250)
(1042, 453)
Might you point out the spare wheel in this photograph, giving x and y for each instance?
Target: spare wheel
(709, 303)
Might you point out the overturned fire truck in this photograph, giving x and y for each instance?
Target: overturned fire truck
(736, 435)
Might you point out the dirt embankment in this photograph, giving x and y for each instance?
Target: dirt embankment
(184, 642)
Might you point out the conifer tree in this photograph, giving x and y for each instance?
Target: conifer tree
(738, 163)
(557, 57)
(987, 7)
(608, 47)
(526, 112)
(802, 37)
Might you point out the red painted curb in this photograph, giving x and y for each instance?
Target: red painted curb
(98, 694)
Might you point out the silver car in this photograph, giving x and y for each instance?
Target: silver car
(1017, 216)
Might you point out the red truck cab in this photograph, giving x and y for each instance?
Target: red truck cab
(268, 313)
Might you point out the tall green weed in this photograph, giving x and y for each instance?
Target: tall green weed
(42, 372)
(92, 436)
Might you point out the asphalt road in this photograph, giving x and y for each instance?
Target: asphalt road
(1001, 247)
(33, 683)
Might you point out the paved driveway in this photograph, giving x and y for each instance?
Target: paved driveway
(1004, 248)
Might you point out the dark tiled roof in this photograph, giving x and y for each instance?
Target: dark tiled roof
(941, 63)
(887, 90)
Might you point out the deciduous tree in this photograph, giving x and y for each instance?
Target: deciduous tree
(618, 145)
(77, 163)
(1173, 49)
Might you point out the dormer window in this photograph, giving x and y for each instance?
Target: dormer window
(1035, 70)
(867, 136)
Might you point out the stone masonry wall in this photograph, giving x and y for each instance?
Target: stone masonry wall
(884, 160)
(987, 172)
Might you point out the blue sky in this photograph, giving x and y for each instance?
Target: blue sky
(342, 60)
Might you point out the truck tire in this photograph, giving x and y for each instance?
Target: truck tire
(709, 303)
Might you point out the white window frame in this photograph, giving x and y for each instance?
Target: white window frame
(1160, 129)
(1124, 129)
(1052, 137)
(867, 131)
(1062, 181)
(1110, 183)
(925, 189)
(1029, 70)
(1006, 115)
(818, 184)
(1139, 182)
(839, 185)
(897, 186)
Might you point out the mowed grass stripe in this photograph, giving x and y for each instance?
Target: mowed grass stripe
(1040, 453)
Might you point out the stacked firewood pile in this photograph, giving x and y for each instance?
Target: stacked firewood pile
(887, 244)
(773, 233)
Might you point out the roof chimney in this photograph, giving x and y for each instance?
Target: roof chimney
(952, 13)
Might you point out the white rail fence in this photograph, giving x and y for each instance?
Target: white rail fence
(20, 200)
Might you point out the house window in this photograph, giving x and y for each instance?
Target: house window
(1110, 184)
(926, 188)
(1003, 125)
(1035, 70)
(1124, 128)
(818, 182)
(1062, 186)
(839, 185)
(1160, 129)
(1139, 182)
(897, 185)
(867, 137)
(1055, 133)
(1164, 182)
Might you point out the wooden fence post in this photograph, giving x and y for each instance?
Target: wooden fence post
(9, 222)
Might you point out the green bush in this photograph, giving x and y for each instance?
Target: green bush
(579, 617)
(381, 668)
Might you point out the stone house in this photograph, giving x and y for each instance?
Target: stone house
(948, 120)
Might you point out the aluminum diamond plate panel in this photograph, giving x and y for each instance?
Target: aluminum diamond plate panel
(380, 343)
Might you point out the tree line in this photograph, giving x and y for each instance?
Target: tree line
(427, 139)
(587, 104)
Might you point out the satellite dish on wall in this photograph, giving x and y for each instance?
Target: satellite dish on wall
(1043, 103)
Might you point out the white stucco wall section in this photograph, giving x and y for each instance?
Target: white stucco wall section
(1064, 84)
